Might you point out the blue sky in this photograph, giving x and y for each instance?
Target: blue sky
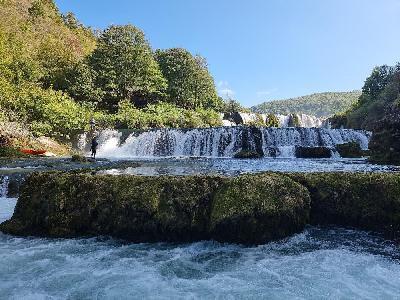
(260, 50)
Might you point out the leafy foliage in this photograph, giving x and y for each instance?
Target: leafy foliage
(55, 75)
(272, 121)
(124, 67)
(163, 115)
(190, 85)
(231, 106)
(380, 95)
(319, 105)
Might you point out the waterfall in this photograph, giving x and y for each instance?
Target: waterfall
(4, 187)
(223, 141)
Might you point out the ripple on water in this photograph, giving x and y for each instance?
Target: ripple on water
(317, 263)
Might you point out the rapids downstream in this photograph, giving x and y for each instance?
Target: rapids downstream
(317, 263)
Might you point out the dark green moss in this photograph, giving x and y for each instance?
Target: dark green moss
(259, 208)
(366, 201)
(248, 209)
(165, 208)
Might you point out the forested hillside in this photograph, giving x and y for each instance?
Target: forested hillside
(319, 104)
(56, 74)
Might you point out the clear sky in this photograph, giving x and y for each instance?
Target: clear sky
(260, 50)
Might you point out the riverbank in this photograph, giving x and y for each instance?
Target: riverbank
(249, 209)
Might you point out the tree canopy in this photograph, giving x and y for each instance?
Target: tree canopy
(124, 67)
(380, 95)
(190, 84)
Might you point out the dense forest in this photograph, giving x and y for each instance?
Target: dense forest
(56, 74)
(319, 104)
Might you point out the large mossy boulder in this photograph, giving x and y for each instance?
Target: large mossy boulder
(136, 208)
(369, 201)
(164, 208)
(259, 208)
(350, 150)
(312, 152)
(249, 209)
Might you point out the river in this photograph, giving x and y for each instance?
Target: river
(317, 263)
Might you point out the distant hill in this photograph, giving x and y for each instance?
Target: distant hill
(319, 104)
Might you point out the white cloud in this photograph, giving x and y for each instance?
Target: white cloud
(224, 90)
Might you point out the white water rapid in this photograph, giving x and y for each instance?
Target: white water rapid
(4, 186)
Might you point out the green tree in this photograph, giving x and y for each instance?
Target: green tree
(190, 85)
(79, 82)
(231, 106)
(125, 67)
(272, 121)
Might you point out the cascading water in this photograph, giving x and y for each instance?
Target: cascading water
(224, 141)
(4, 186)
(284, 120)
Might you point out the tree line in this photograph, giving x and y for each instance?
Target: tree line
(55, 74)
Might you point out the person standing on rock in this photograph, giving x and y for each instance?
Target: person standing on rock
(93, 147)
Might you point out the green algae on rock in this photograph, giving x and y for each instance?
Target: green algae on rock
(163, 208)
(248, 209)
(258, 208)
(369, 201)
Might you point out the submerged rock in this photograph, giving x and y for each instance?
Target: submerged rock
(313, 152)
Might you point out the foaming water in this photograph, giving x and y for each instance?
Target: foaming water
(318, 263)
(221, 141)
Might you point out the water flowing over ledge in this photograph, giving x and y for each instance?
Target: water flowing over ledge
(221, 141)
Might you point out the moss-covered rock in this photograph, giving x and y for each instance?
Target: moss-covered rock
(248, 209)
(350, 150)
(132, 207)
(312, 152)
(165, 208)
(366, 201)
(247, 154)
(259, 208)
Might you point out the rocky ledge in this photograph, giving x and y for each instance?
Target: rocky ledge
(249, 209)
